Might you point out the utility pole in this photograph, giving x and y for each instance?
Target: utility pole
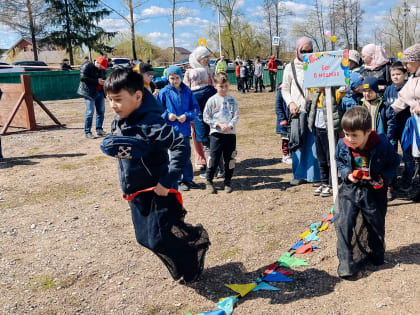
(220, 32)
(405, 13)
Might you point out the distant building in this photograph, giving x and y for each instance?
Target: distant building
(166, 55)
(23, 50)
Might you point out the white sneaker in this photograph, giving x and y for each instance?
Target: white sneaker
(318, 191)
(326, 191)
(287, 159)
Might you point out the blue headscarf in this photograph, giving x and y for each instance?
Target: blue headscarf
(173, 69)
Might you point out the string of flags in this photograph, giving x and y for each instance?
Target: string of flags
(276, 272)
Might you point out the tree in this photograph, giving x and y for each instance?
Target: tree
(175, 13)
(268, 9)
(26, 17)
(229, 10)
(131, 6)
(74, 23)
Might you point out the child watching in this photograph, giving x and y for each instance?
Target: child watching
(317, 122)
(354, 95)
(243, 74)
(181, 108)
(146, 173)
(364, 189)
(398, 77)
(221, 114)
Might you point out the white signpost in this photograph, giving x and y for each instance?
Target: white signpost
(276, 41)
(327, 69)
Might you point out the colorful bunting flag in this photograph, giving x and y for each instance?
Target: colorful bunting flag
(327, 217)
(242, 289)
(218, 312)
(276, 277)
(304, 249)
(285, 272)
(265, 286)
(315, 226)
(297, 245)
(312, 237)
(270, 269)
(304, 234)
(227, 304)
(324, 227)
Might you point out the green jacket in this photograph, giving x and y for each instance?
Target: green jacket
(337, 113)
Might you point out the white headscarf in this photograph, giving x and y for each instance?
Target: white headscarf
(198, 54)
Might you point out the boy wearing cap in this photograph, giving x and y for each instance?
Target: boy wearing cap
(146, 70)
(354, 61)
(354, 95)
(181, 108)
(92, 78)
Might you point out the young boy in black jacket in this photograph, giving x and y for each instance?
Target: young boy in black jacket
(367, 163)
(147, 175)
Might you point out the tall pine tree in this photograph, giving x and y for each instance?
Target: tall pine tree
(75, 24)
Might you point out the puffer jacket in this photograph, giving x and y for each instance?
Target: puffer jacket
(89, 76)
(141, 146)
(383, 160)
(409, 95)
(337, 114)
(179, 103)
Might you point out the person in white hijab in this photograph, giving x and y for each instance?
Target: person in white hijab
(199, 75)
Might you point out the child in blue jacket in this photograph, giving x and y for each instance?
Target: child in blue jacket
(141, 144)
(367, 162)
(354, 95)
(181, 108)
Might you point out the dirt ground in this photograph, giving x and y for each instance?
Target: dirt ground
(67, 244)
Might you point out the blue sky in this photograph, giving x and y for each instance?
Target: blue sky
(154, 23)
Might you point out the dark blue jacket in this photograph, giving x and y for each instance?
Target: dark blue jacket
(384, 120)
(351, 99)
(383, 160)
(141, 145)
(201, 129)
(179, 103)
(282, 112)
(390, 96)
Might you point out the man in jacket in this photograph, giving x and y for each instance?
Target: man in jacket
(92, 78)
(272, 71)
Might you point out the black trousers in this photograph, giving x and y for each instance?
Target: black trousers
(239, 83)
(159, 226)
(323, 155)
(259, 82)
(368, 238)
(273, 76)
(225, 144)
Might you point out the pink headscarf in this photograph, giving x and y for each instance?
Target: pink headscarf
(300, 43)
(378, 54)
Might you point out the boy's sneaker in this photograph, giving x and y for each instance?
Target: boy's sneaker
(228, 188)
(210, 188)
(318, 191)
(389, 194)
(183, 187)
(220, 175)
(203, 175)
(100, 133)
(192, 185)
(89, 135)
(287, 159)
(200, 167)
(326, 191)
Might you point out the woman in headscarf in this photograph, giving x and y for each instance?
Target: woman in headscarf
(376, 65)
(304, 162)
(200, 80)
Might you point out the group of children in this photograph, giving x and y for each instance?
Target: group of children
(248, 72)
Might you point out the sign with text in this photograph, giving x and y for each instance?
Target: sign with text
(324, 69)
(276, 41)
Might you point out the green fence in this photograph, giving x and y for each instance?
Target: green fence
(60, 85)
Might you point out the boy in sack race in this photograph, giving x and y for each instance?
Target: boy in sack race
(147, 175)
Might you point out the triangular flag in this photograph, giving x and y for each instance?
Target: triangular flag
(297, 245)
(285, 260)
(299, 262)
(270, 269)
(327, 217)
(315, 226)
(265, 286)
(242, 289)
(324, 227)
(332, 209)
(277, 277)
(188, 313)
(227, 304)
(304, 234)
(304, 249)
(285, 272)
(312, 237)
(218, 312)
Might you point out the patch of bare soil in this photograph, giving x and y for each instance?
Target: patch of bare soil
(67, 243)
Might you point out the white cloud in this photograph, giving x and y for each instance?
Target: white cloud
(187, 35)
(155, 11)
(113, 25)
(192, 21)
(157, 35)
(296, 8)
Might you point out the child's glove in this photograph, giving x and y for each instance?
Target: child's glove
(284, 123)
